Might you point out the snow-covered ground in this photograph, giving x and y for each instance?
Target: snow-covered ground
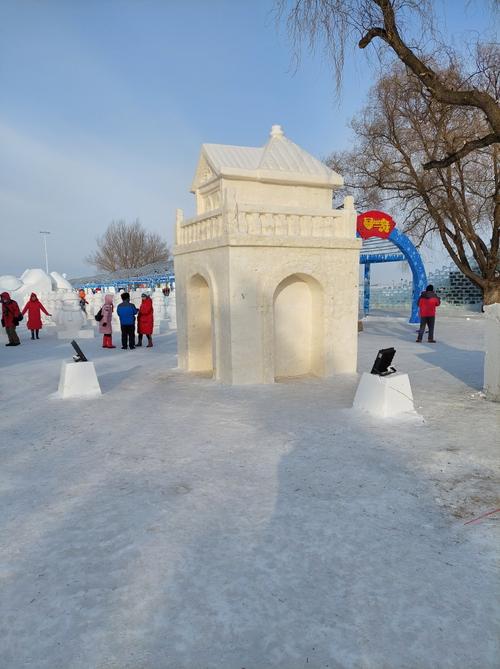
(176, 523)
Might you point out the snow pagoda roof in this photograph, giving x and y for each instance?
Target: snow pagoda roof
(280, 160)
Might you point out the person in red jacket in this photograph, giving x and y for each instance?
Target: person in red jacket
(33, 306)
(427, 303)
(83, 301)
(145, 320)
(11, 315)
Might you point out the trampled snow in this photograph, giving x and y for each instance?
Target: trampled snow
(176, 523)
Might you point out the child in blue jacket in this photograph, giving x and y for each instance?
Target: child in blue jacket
(126, 313)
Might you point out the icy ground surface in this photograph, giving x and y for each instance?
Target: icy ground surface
(179, 524)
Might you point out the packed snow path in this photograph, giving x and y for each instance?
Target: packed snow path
(179, 524)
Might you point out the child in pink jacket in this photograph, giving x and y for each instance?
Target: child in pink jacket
(105, 323)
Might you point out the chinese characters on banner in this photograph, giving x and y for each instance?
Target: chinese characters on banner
(375, 224)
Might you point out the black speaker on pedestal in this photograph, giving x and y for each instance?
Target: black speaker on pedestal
(382, 363)
(80, 356)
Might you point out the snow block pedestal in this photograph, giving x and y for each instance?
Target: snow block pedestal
(384, 396)
(78, 379)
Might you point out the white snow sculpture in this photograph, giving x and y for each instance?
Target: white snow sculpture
(59, 282)
(70, 318)
(51, 306)
(37, 281)
(384, 396)
(10, 284)
(171, 312)
(267, 271)
(57, 308)
(492, 359)
(48, 288)
(159, 306)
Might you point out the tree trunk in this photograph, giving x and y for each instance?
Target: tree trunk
(491, 293)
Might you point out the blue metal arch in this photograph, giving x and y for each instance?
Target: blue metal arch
(409, 253)
(416, 265)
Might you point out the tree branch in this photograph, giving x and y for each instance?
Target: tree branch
(370, 35)
(474, 144)
(432, 82)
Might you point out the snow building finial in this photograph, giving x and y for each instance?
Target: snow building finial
(277, 131)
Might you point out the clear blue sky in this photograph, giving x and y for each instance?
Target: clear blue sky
(104, 105)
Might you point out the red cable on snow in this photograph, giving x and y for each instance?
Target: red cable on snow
(489, 513)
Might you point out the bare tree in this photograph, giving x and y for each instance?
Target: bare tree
(336, 23)
(127, 245)
(401, 129)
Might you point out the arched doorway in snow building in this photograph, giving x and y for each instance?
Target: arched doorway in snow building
(199, 322)
(298, 329)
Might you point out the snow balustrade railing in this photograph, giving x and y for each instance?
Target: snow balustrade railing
(248, 220)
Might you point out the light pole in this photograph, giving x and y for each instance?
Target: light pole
(45, 233)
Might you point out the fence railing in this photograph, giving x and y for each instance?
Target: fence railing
(277, 222)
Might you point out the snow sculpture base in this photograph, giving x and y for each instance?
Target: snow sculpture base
(78, 379)
(384, 396)
(85, 334)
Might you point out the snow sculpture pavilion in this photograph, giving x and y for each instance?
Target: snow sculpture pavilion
(267, 271)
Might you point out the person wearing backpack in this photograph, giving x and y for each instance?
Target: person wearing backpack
(126, 313)
(11, 315)
(427, 304)
(105, 327)
(34, 308)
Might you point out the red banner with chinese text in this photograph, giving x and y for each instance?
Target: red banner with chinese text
(375, 224)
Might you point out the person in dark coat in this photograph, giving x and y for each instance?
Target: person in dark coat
(145, 320)
(126, 313)
(34, 308)
(427, 303)
(11, 315)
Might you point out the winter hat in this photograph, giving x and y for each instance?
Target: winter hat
(5, 296)
(144, 295)
(430, 288)
(33, 295)
(126, 297)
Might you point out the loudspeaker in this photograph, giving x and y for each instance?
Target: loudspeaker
(80, 356)
(381, 366)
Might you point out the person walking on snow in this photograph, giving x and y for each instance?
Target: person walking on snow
(427, 304)
(33, 306)
(11, 315)
(105, 327)
(83, 301)
(126, 313)
(145, 320)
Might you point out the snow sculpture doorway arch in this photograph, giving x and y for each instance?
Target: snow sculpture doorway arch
(200, 325)
(379, 224)
(298, 335)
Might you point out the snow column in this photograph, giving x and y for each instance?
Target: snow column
(492, 346)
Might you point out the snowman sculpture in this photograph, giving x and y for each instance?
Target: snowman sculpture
(69, 318)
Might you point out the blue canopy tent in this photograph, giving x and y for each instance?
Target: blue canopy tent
(150, 280)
